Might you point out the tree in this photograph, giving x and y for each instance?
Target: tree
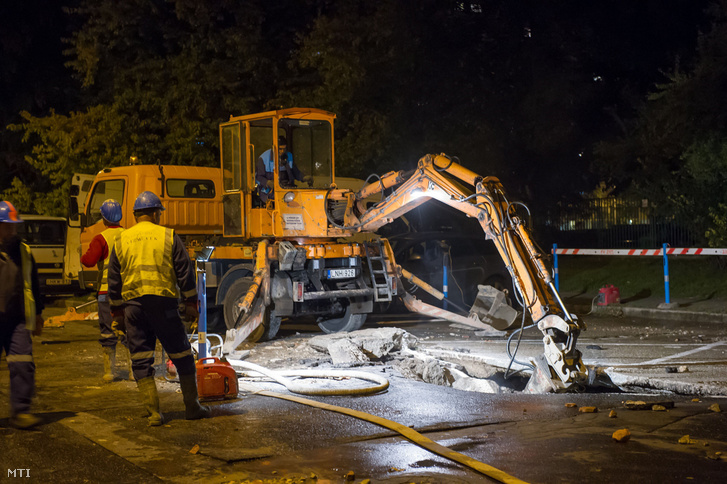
(674, 152)
(159, 77)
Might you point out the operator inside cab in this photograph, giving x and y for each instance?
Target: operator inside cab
(288, 173)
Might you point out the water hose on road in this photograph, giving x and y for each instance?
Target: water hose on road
(403, 430)
(295, 385)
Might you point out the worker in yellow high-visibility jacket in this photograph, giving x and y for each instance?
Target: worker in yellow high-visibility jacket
(147, 264)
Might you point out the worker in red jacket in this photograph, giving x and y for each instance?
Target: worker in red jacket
(98, 253)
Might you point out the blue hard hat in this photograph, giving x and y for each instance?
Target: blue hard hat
(147, 200)
(9, 214)
(111, 210)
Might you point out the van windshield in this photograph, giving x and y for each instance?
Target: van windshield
(43, 232)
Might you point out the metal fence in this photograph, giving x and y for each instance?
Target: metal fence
(615, 223)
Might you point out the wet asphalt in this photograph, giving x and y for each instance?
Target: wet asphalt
(96, 432)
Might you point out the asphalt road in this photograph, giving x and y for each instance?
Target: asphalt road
(96, 432)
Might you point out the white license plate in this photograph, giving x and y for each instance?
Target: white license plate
(58, 282)
(341, 273)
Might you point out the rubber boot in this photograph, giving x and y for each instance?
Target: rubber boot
(109, 361)
(193, 410)
(24, 421)
(150, 397)
(131, 370)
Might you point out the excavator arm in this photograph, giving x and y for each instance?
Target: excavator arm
(441, 178)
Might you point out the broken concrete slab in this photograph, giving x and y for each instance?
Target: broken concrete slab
(422, 367)
(426, 369)
(473, 364)
(345, 352)
(467, 383)
(375, 342)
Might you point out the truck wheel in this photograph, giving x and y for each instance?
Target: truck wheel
(347, 322)
(237, 291)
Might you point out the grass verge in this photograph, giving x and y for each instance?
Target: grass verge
(689, 276)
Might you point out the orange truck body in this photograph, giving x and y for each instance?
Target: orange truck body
(191, 196)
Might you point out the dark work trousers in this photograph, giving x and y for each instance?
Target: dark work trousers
(17, 345)
(108, 337)
(148, 318)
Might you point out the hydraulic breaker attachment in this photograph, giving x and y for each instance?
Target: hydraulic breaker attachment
(560, 367)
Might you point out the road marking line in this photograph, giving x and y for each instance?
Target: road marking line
(684, 353)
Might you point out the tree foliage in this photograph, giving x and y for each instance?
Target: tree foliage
(514, 89)
(674, 152)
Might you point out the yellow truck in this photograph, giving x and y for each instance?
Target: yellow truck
(191, 196)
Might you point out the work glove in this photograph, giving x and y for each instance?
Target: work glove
(118, 325)
(191, 313)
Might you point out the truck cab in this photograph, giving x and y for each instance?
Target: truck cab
(292, 211)
(191, 196)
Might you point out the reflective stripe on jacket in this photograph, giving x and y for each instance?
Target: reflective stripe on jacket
(26, 265)
(145, 261)
(109, 236)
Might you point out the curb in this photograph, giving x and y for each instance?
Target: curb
(649, 313)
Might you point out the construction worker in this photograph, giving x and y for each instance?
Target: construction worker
(287, 173)
(20, 306)
(98, 253)
(147, 264)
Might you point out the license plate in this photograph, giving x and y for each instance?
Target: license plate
(58, 282)
(341, 273)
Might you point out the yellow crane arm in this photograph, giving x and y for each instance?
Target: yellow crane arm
(441, 178)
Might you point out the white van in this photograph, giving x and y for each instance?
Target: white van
(46, 237)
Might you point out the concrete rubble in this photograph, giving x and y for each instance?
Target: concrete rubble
(368, 346)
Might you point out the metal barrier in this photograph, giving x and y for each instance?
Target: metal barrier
(665, 251)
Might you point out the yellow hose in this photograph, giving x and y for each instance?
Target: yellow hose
(403, 430)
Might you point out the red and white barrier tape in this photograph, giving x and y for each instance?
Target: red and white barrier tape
(669, 251)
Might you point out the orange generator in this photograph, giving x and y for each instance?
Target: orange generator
(216, 379)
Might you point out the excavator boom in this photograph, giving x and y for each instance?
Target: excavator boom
(441, 178)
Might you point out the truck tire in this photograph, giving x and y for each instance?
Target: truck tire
(271, 323)
(346, 323)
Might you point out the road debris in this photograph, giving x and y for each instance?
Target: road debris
(612, 414)
(571, 405)
(658, 408)
(621, 435)
(194, 450)
(588, 410)
(715, 408)
(642, 405)
(69, 315)
(685, 439)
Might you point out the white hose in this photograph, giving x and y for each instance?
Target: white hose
(296, 387)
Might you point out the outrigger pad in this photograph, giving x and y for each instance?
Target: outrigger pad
(491, 307)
